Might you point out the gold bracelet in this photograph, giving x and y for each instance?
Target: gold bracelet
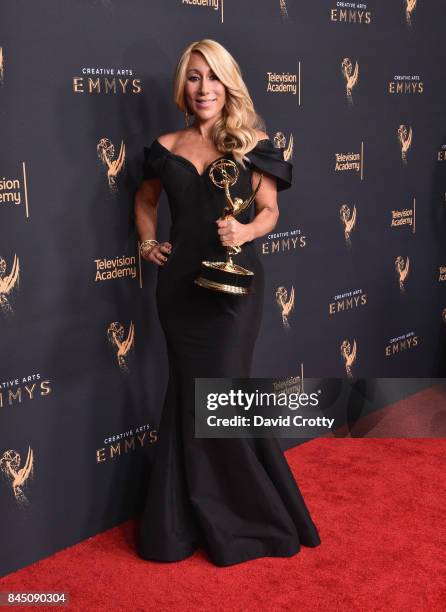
(147, 245)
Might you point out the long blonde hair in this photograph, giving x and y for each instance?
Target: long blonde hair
(235, 131)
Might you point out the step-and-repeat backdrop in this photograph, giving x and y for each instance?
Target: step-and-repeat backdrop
(352, 93)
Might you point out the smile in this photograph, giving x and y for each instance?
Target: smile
(205, 102)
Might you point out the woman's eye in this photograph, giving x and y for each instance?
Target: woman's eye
(214, 76)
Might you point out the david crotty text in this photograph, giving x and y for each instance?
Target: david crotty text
(260, 421)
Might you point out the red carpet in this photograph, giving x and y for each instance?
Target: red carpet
(380, 508)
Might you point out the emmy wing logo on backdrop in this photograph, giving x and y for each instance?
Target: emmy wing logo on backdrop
(402, 270)
(121, 344)
(348, 354)
(410, 8)
(17, 476)
(350, 76)
(8, 282)
(2, 66)
(348, 220)
(285, 304)
(443, 315)
(441, 155)
(283, 9)
(405, 139)
(106, 153)
(280, 143)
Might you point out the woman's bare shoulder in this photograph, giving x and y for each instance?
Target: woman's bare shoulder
(170, 139)
(261, 135)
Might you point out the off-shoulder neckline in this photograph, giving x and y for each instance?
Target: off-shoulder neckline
(193, 166)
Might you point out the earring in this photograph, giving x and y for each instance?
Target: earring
(186, 118)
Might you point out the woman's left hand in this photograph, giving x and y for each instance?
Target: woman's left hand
(233, 233)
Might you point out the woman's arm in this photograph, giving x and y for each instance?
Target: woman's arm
(146, 214)
(267, 212)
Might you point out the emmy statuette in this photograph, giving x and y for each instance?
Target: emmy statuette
(226, 276)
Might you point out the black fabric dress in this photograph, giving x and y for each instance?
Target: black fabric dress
(235, 498)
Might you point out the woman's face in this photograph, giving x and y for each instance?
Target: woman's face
(205, 94)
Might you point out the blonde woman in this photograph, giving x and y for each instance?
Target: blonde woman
(234, 498)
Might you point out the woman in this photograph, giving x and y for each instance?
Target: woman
(235, 498)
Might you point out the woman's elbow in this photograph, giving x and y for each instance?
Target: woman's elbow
(145, 199)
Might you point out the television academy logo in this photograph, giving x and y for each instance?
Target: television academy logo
(350, 75)
(122, 345)
(402, 270)
(125, 266)
(292, 384)
(351, 161)
(284, 82)
(405, 137)
(348, 353)
(348, 220)
(14, 191)
(106, 153)
(8, 282)
(17, 476)
(442, 274)
(406, 216)
(410, 8)
(280, 143)
(285, 304)
(215, 5)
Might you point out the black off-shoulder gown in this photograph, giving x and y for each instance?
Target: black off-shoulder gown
(235, 498)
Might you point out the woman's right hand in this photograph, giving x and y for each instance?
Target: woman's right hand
(157, 254)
